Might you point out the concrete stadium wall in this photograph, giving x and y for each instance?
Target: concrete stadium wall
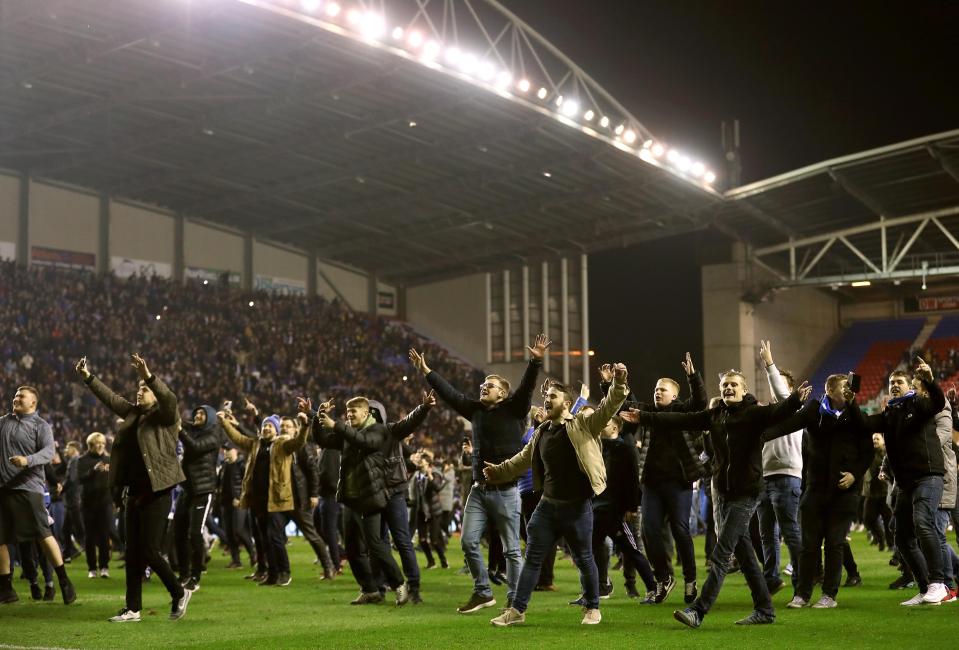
(63, 219)
(352, 286)
(140, 236)
(454, 312)
(9, 216)
(799, 322)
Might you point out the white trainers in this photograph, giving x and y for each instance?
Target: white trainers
(91, 574)
(591, 617)
(402, 594)
(935, 594)
(912, 602)
(509, 617)
(104, 573)
(126, 616)
(825, 602)
(798, 602)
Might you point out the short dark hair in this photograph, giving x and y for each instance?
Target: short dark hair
(788, 376)
(31, 389)
(899, 373)
(560, 387)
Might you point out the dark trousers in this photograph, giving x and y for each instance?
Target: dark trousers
(549, 522)
(31, 557)
(365, 546)
(825, 521)
(396, 518)
(329, 511)
(73, 529)
(236, 526)
(272, 528)
(303, 518)
(96, 521)
(732, 524)
(259, 541)
(672, 501)
(431, 536)
(607, 523)
(528, 502)
(877, 516)
(146, 520)
(188, 521)
(917, 537)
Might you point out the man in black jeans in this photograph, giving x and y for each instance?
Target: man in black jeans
(200, 440)
(838, 453)
(143, 461)
(738, 428)
(236, 520)
(914, 459)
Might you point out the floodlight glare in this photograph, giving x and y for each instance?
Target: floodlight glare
(541, 93)
(504, 78)
(415, 39)
(486, 70)
(698, 169)
(310, 5)
(453, 55)
(468, 63)
(684, 163)
(353, 17)
(709, 177)
(629, 137)
(570, 108)
(333, 10)
(431, 50)
(523, 85)
(658, 150)
(372, 25)
(672, 156)
(589, 115)
(604, 122)
(559, 101)
(397, 33)
(619, 129)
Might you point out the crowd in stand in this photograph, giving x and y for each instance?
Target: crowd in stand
(228, 421)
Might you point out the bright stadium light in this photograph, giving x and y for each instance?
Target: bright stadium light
(372, 26)
(547, 174)
(397, 33)
(684, 163)
(415, 39)
(353, 17)
(559, 101)
(672, 156)
(431, 50)
(698, 169)
(619, 129)
(570, 108)
(453, 55)
(589, 115)
(629, 136)
(333, 10)
(251, 303)
(709, 177)
(486, 70)
(860, 283)
(158, 316)
(468, 63)
(658, 150)
(310, 5)
(604, 122)
(541, 93)
(523, 85)
(504, 78)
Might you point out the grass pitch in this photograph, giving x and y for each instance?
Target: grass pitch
(229, 612)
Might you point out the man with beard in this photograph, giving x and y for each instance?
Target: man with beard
(201, 442)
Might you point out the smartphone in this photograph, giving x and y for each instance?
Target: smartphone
(855, 382)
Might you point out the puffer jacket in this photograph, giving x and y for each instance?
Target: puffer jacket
(944, 431)
(155, 429)
(306, 475)
(200, 447)
(363, 465)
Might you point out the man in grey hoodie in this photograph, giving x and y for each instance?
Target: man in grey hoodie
(782, 486)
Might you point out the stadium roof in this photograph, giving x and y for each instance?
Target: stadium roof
(417, 140)
(321, 125)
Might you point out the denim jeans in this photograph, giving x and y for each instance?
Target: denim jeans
(779, 513)
(502, 507)
(673, 501)
(732, 526)
(949, 558)
(396, 518)
(917, 536)
(825, 522)
(550, 521)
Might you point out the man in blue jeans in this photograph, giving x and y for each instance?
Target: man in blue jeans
(782, 486)
(566, 457)
(737, 427)
(498, 421)
(914, 458)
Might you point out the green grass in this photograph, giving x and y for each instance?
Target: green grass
(229, 612)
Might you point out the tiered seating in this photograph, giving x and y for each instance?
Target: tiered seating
(872, 348)
(944, 339)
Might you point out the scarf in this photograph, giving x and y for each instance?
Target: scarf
(825, 408)
(899, 401)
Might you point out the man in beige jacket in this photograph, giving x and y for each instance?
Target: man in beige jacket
(566, 455)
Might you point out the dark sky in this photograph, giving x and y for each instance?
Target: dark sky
(807, 80)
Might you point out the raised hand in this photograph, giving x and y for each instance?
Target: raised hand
(82, 368)
(620, 373)
(584, 391)
(632, 416)
(304, 405)
(325, 420)
(538, 349)
(223, 416)
(923, 370)
(326, 407)
(140, 365)
(419, 361)
(766, 353)
(429, 399)
(688, 365)
(606, 372)
(805, 390)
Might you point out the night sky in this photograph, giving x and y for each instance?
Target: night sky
(807, 80)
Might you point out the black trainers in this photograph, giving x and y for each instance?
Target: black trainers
(776, 587)
(36, 593)
(757, 618)
(663, 589)
(690, 593)
(605, 591)
(415, 597)
(688, 617)
(853, 581)
(371, 598)
(631, 591)
(476, 603)
(284, 580)
(269, 581)
(178, 608)
(192, 584)
(579, 602)
(49, 593)
(68, 592)
(902, 582)
(650, 598)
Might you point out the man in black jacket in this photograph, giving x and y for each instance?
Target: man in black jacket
(838, 453)
(201, 442)
(668, 467)
(498, 422)
(427, 512)
(914, 458)
(306, 496)
(236, 520)
(362, 489)
(738, 427)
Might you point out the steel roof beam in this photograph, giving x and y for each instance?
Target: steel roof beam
(858, 193)
(947, 165)
(761, 216)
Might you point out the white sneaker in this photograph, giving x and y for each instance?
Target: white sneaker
(91, 574)
(402, 594)
(912, 602)
(935, 593)
(825, 602)
(126, 616)
(104, 573)
(591, 617)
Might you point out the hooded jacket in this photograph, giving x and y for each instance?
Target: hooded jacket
(155, 431)
(913, 449)
(200, 448)
(397, 473)
(738, 431)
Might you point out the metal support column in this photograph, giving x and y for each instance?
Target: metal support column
(526, 338)
(103, 229)
(179, 264)
(23, 222)
(507, 333)
(545, 310)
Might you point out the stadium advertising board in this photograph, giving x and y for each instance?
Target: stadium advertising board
(282, 286)
(125, 267)
(932, 303)
(8, 250)
(66, 259)
(232, 278)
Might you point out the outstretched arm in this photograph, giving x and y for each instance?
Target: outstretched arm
(413, 421)
(510, 469)
(228, 422)
(610, 404)
(111, 400)
(522, 397)
(698, 399)
(166, 400)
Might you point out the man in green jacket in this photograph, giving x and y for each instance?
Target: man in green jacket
(144, 463)
(566, 455)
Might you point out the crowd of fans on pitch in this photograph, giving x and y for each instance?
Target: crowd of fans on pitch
(208, 342)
